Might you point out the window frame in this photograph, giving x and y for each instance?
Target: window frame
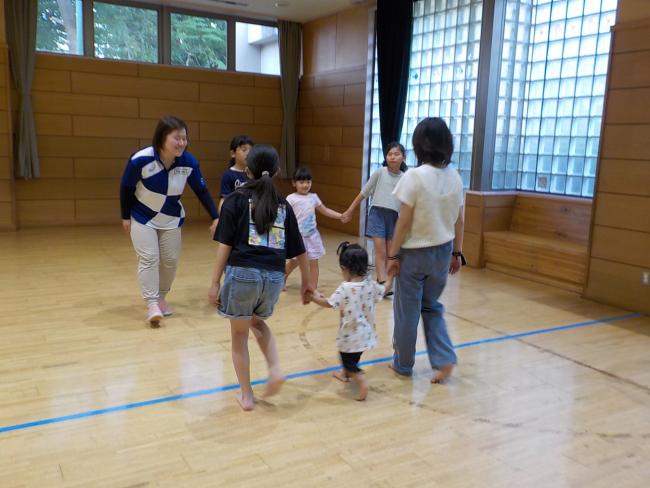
(125, 3)
(164, 32)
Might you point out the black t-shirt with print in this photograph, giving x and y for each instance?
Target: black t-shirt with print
(250, 250)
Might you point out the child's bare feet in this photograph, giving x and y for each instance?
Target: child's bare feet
(363, 387)
(273, 385)
(443, 373)
(247, 403)
(341, 376)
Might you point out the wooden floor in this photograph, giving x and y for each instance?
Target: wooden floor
(569, 407)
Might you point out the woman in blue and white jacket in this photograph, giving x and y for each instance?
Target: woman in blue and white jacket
(152, 184)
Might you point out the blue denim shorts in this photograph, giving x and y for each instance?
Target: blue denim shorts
(248, 292)
(381, 222)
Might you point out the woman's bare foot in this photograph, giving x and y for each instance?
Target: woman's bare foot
(273, 385)
(363, 387)
(442, 374)
(392, 367)
(341, 376)
(247, 403)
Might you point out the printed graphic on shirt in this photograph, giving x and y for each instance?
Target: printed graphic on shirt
(275, 238)
(239, 183)
(304, 206)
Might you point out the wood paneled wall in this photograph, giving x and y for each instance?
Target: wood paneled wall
(91, 115)
(620, 243)
(332, 108)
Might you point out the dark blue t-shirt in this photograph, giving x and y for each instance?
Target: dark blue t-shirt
(231, 180)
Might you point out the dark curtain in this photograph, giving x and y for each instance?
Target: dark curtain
(21, 37)
(290, 41)
(394, 32)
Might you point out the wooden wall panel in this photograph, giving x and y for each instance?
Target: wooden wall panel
(319, 45)
(332, 108)
(620, 241)
(92, 114)
(352, 38)
(7, 187)
(618, 284)
(625, 246)
(621, 176)
(3, 34)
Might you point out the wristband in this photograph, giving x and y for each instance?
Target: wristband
(394, 258)
(459, 254)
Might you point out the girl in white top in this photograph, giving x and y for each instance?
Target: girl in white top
(305, 204)
(355, 298)
(426, 248)
(384, 207)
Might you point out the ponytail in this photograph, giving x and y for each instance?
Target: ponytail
(263, 161)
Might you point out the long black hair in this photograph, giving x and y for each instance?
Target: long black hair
(263, 162)
(354, 258)
(402, 167)
(433, 142)
(239, 141)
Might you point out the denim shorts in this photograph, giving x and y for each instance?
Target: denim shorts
(248, 292)
(381, 222)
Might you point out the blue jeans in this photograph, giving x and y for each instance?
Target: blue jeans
(422, 277)
(248, 292)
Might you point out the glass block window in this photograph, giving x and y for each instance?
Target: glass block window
(550, 106)
(123, 32)
(59, 26)
(199, 41)
(443, 78)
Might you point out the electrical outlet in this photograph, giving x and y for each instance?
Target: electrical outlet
(645, 278)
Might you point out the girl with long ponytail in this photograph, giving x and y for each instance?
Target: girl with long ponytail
(257, 232)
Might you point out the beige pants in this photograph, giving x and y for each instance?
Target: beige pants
(158, 252)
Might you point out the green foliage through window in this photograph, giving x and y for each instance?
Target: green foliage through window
(59, 26)
(199, 41)
(126, 32)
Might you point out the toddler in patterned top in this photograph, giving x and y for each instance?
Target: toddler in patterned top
(355, 299)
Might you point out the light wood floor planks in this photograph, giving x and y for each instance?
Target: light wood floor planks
(564, 408)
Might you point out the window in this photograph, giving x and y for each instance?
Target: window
(134, 30)
(59, 26)
(548, 128)
(199, 41)
(443, 78)
(257, 49)
(123, 32)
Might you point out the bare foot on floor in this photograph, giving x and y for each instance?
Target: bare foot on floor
(247, 404)
(392, 367)
(442, 374)
(341, 376)
(273, 385)
(363, 387)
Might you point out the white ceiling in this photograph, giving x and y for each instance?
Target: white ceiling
(295, 10)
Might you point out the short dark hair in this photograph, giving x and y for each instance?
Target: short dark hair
(237, 141)
(354, 258)
(302, 173)
(433, 142)
(166, 125)
(402, 167)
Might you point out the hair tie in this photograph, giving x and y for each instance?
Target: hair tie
(265, 173)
